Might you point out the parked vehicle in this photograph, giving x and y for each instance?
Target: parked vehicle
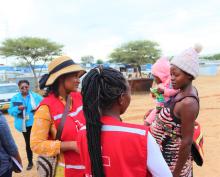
(7, 91)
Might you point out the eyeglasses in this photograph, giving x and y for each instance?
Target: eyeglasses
(24, 87)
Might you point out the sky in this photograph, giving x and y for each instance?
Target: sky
(96, 27)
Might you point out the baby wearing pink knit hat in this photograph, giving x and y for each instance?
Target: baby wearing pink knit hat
(161, 73)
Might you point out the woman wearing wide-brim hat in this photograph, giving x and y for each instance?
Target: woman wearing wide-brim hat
(61, 84)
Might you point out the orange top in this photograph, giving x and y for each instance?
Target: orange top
(43, 126)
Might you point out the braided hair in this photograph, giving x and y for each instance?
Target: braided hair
(101, 88)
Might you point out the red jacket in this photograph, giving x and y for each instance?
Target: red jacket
(75, 120)
(124, 149)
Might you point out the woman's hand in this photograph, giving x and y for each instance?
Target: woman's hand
(69, 146)
(21, 107)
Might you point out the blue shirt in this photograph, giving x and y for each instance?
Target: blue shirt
(16, 113)
(7, 146)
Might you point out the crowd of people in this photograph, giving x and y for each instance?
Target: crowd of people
(84, 130)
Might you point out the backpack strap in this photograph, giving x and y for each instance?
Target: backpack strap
(63, 119)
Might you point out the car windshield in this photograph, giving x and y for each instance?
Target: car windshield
(8, 89)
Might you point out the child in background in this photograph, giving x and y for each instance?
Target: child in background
(161, 74)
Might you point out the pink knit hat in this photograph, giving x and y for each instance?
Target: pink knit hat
(161, 69)
(188, 61)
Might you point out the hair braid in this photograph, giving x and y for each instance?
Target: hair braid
(100, 89)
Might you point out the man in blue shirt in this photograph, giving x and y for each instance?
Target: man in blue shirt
(22, 108)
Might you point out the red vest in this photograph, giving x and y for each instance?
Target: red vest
(124, 149)
(75, 120)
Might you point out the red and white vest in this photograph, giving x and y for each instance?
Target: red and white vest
(124, 149)
(75, 120)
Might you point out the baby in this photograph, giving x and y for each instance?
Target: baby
(164, 90)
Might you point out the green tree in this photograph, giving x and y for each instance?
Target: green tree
(212, 57)
(31, 50)
(99, 61)
(137, 53)
(87, 59)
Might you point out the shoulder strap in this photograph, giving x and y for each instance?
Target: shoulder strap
(192, 96)
(179, 100)
(63, 119)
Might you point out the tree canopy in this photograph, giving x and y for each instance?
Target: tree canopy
(212, 57)
(31, 50)
(137, 52)
(99, 61)
(87, 59)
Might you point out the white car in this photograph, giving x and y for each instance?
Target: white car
(7, 91)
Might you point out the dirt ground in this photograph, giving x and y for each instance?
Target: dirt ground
(209, 118)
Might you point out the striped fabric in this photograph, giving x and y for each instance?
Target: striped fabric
(167, 132)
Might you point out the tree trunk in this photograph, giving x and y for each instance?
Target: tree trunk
(139, 71)
(41, 69)
(36, 88)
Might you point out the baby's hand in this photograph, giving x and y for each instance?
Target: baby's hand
(160, 90)
(153, 95)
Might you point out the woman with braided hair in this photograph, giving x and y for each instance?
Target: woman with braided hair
(109, 147)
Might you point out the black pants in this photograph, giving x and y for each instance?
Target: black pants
(7, 173)
(27, 142)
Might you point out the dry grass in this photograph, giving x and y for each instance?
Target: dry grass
(209, 117)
